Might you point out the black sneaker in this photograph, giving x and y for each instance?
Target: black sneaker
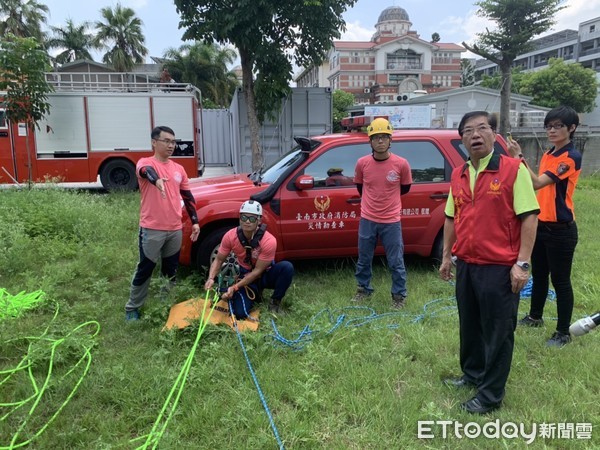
(398, 301)
(133, 315)
(361, 294)
(531, 322)
(558, 339)
(275, 306)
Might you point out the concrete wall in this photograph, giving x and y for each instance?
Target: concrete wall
(586, 139)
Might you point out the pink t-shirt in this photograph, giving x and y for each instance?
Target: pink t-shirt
(381, 182)
(156, 212)
(265, 251)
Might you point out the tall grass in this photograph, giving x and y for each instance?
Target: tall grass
(356, 384)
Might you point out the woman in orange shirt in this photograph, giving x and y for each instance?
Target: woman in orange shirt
(557, 236)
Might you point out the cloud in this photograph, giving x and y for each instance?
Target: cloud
(135, 4)
(356, 32)
(465, 28)
(577, 11)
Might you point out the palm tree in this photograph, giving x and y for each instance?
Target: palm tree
(23, 18)
(204, 66)
(74, 40)
(121, 33)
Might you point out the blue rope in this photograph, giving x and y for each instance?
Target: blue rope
(255, 379)
(356, 316)
(526, 291)
(342, 317)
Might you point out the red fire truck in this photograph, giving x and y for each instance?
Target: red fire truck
(99, 125)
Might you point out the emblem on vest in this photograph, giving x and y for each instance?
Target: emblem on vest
(322, 203)
(562, 168)
(458, 203)
(494, 187)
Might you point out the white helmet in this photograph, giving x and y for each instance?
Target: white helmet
(251, 207)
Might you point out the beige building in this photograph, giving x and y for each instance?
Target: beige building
(390, 67)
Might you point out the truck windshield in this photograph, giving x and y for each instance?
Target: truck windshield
(275, 170)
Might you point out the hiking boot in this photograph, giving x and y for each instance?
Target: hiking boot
(398, 301)
(132, 315)
(361, 294)
(275, 306)
(531, 322)
(558, 339)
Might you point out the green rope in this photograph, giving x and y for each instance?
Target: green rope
(155, 435)
(27, 364)
(12, 306)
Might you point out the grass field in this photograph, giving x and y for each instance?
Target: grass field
(363, 379)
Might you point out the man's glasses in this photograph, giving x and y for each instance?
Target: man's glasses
(167, 141)
(380, 137)
(480, 129)
(556, 126)
(246, 218)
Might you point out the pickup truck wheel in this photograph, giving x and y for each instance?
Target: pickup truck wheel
(119, 174)
(208, 249)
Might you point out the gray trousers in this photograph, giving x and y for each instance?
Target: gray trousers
(153, 244)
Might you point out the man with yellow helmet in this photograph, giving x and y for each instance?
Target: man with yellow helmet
(381, 178)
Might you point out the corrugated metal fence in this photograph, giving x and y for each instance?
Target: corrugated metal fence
(226, 134)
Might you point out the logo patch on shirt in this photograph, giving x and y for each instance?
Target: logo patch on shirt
(178, 177)
(495, 187)
(562, 168)
(392, 177)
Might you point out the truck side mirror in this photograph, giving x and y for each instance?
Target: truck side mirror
(304, 182)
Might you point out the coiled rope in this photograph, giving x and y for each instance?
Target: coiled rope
(14, 307)
(356, 316)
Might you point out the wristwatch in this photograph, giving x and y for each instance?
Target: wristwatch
(523, 265)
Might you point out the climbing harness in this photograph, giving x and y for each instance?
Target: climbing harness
(252, 244)
(230, 275)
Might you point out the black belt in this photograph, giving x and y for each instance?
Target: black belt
(556, 225)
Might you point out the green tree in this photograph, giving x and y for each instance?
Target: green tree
(467, 77)
(562, 84)
(22, 66)
(121, 33)
(342, 100)
(23, 18)
(269, 35)
(74, 40)
(204, 66)
(517, 23)
(495, 81)
(435, 37)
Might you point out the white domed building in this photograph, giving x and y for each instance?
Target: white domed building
(394, 64)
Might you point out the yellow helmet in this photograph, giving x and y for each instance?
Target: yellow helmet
(379, 126)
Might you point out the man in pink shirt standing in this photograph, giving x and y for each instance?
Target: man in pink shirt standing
(381, 178)
(163, 185)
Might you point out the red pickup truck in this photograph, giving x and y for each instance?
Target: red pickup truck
(311, 205)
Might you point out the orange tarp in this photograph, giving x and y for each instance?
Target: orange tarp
(185, 313)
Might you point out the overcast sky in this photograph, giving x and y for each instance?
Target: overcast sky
(455, 21)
